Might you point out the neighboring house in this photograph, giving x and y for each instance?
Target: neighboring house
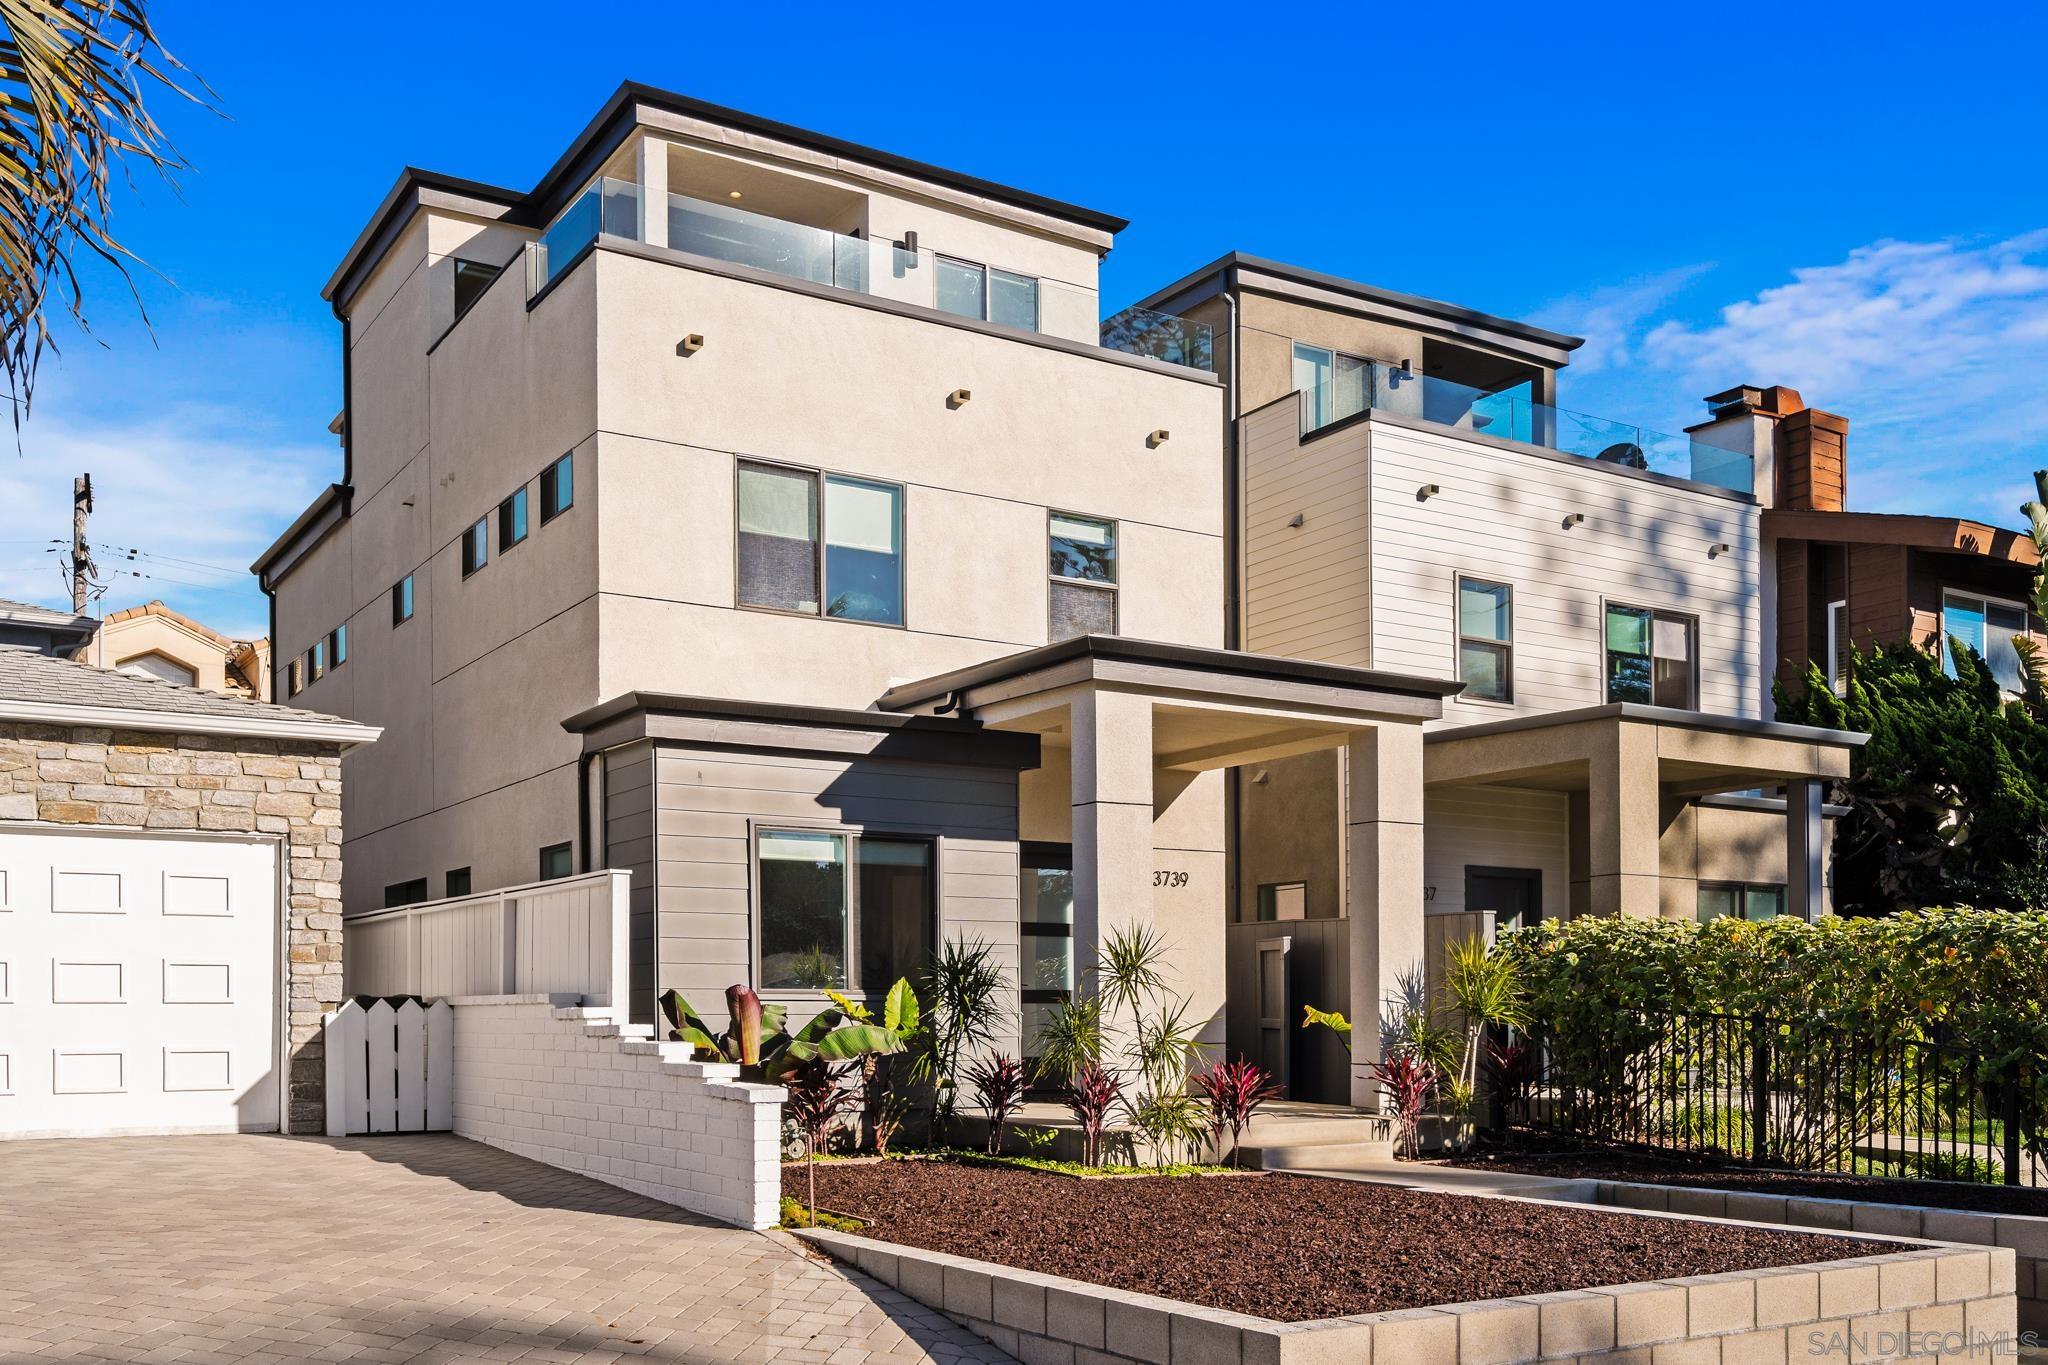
(153, 641)
(170, 925)
(785, 528)
(43, 629)
(1850, 580)
(1408, 495)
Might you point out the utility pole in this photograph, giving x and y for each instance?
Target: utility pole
(81, 557)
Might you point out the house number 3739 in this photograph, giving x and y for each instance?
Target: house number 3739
(1169, 878)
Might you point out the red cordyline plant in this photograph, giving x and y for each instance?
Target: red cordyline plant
(1410, 1081)
(1234, 1091)
(816, 1101)
(1091, 1094)
(999, 1088)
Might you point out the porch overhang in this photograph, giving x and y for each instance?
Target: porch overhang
(766, 727)
(1693, 753)
(1210, 708)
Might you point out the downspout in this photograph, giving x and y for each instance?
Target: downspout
(1233, 636)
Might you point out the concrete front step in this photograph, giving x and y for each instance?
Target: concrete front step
(1320, 1156)
(1318, 1128)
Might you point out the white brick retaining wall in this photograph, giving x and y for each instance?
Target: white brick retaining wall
(547, 1079)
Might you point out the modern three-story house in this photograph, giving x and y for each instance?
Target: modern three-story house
(773, 518)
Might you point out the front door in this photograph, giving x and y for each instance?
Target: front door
(1276, 1011)
(1512, 895)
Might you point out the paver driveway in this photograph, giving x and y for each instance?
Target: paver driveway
(258, 1249)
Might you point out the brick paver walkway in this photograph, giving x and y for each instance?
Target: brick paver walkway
(261, 1249)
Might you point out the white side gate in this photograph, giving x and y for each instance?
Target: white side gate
(389, 1068)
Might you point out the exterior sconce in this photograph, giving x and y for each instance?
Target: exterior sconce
(1426, 492)
(1295, 521)
(1157, 439)
(958, 398)
(1717, 550)
(690, 344)
(1574, 519)
(1262, 778)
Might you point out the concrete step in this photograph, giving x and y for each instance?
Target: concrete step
(1321, 1156)
(1318, 1128)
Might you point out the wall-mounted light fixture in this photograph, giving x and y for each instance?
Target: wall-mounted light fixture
(1574, 519)
(910, 241)
(1715, 551)
(1296, 520)
(690, 344)
(1262, 778)
(958, 398)
(1157, 439)
(1426, 492)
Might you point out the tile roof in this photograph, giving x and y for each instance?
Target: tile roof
(29, 611)
(29, 676)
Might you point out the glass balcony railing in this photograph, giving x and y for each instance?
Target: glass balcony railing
(1512, 416)
(1162, 336)
(799, 251)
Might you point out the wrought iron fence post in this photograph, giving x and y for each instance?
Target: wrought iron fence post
(1759, 1088)
(2009, 1117)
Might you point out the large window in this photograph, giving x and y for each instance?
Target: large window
(1740, 902)
(1082, 563)
(476, 546)
(1332, 385)
(825, 928)
(859, 577)
(1652, 657)
(557, 488)
(401, 601)
(1046, 937)
(1486, 639)
(975, 291)
(1990, 627)
(512, 521)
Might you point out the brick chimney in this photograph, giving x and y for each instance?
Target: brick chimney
(1813, 461)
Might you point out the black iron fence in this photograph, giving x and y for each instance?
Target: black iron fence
(1811, 1097)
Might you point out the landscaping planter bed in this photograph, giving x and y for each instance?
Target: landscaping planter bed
(1291, 1248)
(1630, 1166)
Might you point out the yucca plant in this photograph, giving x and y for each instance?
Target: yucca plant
(1070, 1038)
(1486, 986)
(1235, 1092)
(998, 1085)
(760, 1042)
(75, 72)
(965, 997)
(1091, 1095)
(818, 1098)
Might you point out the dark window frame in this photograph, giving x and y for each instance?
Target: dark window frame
(403, 601)
(483, 274)
(476, 546)
(512, 518)
(1742, 892)
(552, 484)
(412, 891)
(449, 883)
(337, 647)
(1690, 620)
(822, 480)
(567, 848)
(853, 836)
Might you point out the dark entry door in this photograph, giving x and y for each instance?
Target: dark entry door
(1514, 895)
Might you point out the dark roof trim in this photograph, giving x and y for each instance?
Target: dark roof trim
(391, 218)
(1195, 658)
(1669, 716)
(1917, 531)
(1229, 271)
(667, 718)
(330, 496)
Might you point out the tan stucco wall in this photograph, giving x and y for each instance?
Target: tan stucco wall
(119, 643)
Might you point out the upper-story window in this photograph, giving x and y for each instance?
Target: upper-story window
(556, 861)
(1332, 385)
(1082, 597)
(401, 601)
(1486, 639)
(1838, 647)
(316, 661)
(512, 521)
(472, 278)
(1652, 657)
(978, 291)
(337, 646)
(476, 546)
(294, 677)
(858, 576)
(1990, 627)
(557, 488)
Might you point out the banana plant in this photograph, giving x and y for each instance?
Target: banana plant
(759, 1039)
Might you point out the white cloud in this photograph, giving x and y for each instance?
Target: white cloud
(195, 489)
(1934, 351)
(1611, 318)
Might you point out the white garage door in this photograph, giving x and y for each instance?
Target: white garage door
(138, 984)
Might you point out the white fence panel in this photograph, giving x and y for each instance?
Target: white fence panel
(390, 1070)
(563, 937)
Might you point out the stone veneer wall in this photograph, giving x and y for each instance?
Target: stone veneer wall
(81, 775)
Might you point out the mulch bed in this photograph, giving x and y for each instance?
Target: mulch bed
(1289, 1248)
(1940, 1194)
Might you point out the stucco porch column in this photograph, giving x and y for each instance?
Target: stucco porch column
(1805, 849)
(1112, 809)
(1623, 813)
(1383, 888)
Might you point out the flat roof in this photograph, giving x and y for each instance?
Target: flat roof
(1674, 717)
(613, 123)
(1245, 268)
(1951, 535)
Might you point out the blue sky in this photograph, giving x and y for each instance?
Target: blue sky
(1847, 201)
